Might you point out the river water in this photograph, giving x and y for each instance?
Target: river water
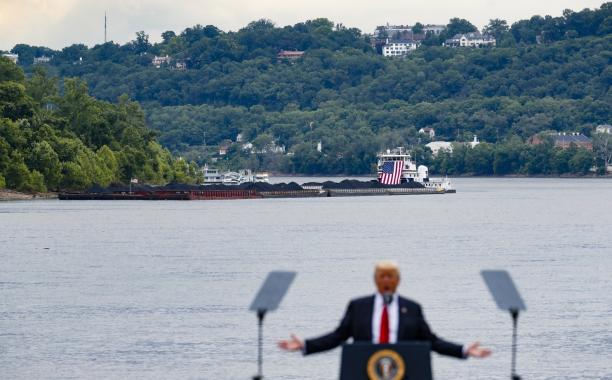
(160, 290)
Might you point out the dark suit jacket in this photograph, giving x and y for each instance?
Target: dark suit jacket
(357, 323)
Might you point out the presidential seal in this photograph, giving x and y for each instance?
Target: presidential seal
(386, 365)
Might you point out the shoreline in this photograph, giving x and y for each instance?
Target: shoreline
(12, 195)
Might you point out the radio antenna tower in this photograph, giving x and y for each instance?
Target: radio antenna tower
(104, 27)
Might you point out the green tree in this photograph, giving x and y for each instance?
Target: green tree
(26, 53)
(507, 158)
(14, 103)
(263, 141)
(17, 174)
(560, 160)
(418, 28)
(10, 72)
(537, 159)
(581, 162)
(480, 159)
(497, 28)
(141, 43)
(111, 167)
(40, 87)
(46, 161)
(167, 36)
(459, 26)
(80, 110)
(36, 183)
(74, 177)
(602, 146)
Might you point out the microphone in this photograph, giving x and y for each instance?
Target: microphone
(387, 298)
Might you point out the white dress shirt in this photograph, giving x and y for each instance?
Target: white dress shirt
(392, 311)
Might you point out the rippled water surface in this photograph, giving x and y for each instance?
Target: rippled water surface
(160, 289)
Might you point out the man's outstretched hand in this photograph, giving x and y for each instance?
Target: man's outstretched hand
(476, 351)
(293, 344)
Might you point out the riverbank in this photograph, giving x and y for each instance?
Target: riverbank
(11, 195)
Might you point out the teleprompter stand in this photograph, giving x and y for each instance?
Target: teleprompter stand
(267, 299)
(506, 297)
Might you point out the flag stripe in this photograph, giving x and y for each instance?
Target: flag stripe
(392, 172)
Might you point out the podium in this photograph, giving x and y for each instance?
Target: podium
(401, 361)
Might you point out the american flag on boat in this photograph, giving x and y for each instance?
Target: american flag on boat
(391, 172)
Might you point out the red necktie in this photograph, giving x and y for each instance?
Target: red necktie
(384, 326)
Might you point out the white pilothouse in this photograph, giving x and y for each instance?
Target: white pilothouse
(410, 171)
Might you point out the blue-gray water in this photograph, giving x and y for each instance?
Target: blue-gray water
(161, 289)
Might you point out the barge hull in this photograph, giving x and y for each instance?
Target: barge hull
(246, 194)
(122, 197)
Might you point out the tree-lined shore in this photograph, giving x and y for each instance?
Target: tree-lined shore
(50, 141)
(546, 74)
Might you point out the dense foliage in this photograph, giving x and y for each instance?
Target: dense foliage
(547, 73)
(51, 142)
(513, 157)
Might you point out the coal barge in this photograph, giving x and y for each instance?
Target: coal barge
(398, 174)
(250, 191)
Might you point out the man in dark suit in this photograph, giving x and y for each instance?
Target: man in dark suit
(383, 318)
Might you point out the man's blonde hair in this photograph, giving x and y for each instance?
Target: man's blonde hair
(387, 265)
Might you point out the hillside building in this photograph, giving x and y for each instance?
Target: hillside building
(159, 61)
(474, 39)
(406, 32)
(13, 57)
(563, 140)
(399, 48)
(433, 29)
(604, 128)
(437, 146)
(41, 60)
(270, 148)
(428, 131)
(388, 31)
(289, 55)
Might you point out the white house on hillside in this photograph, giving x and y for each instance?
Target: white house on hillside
(435, 29)
(270, 148)
(391, 30)
(399, 48)
(158, 61)
(474, 39)
(428, 131)
(437, 146)
(13, 57)
(604, 128)
(41, 60)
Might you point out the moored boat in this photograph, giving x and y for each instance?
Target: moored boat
(229, 178)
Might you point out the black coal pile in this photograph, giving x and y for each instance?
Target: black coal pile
(355, 184)
(119, 188)
(175, 186)
(257, 186)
